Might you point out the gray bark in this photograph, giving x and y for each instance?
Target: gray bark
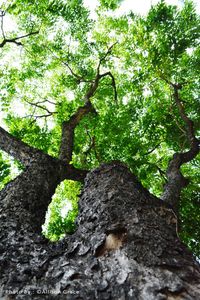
(18, 149)
(126, 245)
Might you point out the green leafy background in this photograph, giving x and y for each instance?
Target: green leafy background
(143, 128)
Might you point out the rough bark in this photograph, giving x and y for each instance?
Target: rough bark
(126, 245)
(26, 198)
(18, 149)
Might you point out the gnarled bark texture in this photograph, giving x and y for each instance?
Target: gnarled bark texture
(126, 245)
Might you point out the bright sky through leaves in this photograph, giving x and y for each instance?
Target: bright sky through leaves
(140, 7)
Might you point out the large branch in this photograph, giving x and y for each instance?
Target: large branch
(176, 181)
(27, 155)
(18, 149)
(69, 172)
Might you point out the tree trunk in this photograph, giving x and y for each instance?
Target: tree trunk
(126, 245)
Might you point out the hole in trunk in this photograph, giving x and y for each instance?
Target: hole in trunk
(62, 211)
(9, 169)
(114, 240)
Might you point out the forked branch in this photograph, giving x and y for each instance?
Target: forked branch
(15, 40)
(12, 40)
(68, 127)
(40, 106)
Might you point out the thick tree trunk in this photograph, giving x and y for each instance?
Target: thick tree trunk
(126, 245)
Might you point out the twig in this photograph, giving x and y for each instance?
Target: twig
(92, 142)
(38, 116)
(91, 146)
(39, 106)
(45, 100)
(162, 173)
(153, 149)
(176, 121)
(78, 77)
(2, 30)
(106, 54)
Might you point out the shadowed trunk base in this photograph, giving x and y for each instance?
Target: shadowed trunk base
(126, 247)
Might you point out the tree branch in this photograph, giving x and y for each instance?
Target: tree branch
(27, 155)
(38, 105)
(105, 55)
(152, 150)
(14, 40)
(77, 76)
(113, 84)
(68, 127)
(2, 30)
(90, 146)
(162, 173)
(18, 149)
(22, 151)
(176, 121)
(38, 116)
(71, 173)
(176, 180)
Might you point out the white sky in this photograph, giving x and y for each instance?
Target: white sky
(137, 6)
(66, 208)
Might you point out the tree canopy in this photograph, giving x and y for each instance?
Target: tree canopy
(117, 88)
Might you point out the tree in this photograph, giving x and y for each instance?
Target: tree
(134, 83)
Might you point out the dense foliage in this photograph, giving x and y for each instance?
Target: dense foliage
(45, 78)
